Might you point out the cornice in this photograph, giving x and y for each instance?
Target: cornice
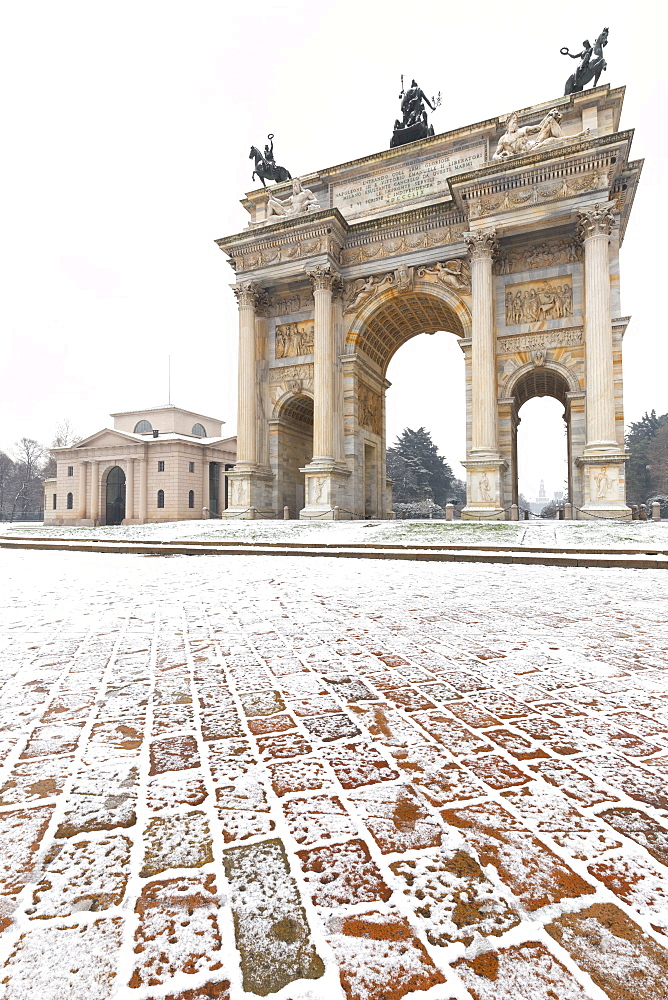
(283, 228)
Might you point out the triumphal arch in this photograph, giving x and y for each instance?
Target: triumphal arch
(505, 234)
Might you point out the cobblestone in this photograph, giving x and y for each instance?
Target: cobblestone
(445, 781)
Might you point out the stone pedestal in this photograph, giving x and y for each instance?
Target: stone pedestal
(484, 489)
(249, 488)
(326, 487)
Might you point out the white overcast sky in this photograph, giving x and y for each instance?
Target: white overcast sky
(126, 129)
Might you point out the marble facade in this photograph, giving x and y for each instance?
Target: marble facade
(517, 255)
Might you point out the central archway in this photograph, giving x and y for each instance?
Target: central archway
(115, 496)
(377, 332)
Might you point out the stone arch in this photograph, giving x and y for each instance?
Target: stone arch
(393, 317)
(292, 426)
(284, 404)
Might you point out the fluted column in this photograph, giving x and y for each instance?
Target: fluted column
(130, 489)
(595, 226)
(94, 491)
(247, 294)
(324, 365)
(82, 489)
(484, 434)
(143, 489)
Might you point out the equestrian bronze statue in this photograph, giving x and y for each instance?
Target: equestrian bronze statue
(591, 65)
(266, 167)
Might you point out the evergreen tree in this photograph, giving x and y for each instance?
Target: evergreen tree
(644, 472)
(419, 472)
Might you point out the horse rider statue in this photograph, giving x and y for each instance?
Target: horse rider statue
(591, 65)
(266, 167)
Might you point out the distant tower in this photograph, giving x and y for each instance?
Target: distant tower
(542, 495)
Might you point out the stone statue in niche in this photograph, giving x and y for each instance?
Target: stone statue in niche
(456, 273)
(516, 140)
(549, 299)
(301, 201)
(294, 339)
(369, 409)
(484, 488)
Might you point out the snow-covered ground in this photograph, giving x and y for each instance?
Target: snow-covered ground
(569, 534)
(317, 779)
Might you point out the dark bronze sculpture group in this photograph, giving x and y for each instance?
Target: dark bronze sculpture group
(414, 125)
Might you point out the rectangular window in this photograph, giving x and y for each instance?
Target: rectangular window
(70, 470)
(161, 466)
(54, 501)
(191, 466)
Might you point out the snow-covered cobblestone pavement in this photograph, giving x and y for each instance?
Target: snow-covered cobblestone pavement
(331, 779)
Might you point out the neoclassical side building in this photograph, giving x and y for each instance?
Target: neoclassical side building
(505, 234)
(164, 464)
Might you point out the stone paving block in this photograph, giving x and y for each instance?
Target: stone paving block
(348, 688)
(272, 932)
(233, 756)
(114, 740)
(452, 898)
(440, 692)
(225, 725)
(622, 960)
(389, 727)
(496, 771)
(181, 841)
(177, 932)
(439, 779)
(410, 699)
(639, 723)
(336, 726)
(39, 779)
(101, 798)
(637, 782)
(81, 962)
(472, 715)
(82, 875)
(559, 709)
(451, 734)
(287, 745)
(379, 956)
(52, 739)
(271, 724)
(70, 707)
(215, 695)
(501, 704)
(299, 776)
(464, 681)
(173, 789)
(170, 718)
(581, 835)
(643, 829)
(172, 691)
(317, 817)
(639, 883)
(342, 874)
(21, 831)
(314, 704)
(358, 764)
(518, 746)
(211, 991)
(606, 731)
(177, 753)
(531, 871)
(523, 972)
(262, 703)
(575, 784)
(397, 817)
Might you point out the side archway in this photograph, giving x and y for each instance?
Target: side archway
(115, 496)
(292, 440)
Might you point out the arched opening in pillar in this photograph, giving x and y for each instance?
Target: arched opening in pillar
(115, 496)
(294, 440)
(541, 440)
(426, 383)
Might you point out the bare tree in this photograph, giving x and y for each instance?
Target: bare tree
(64, 437)
(29, 455)
(6, 480)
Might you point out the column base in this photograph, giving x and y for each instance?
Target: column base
(326, 487)
(604, 486)
(249, 488)
(484, 489)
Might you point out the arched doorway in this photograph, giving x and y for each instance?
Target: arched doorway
(535, 383)
(115, 496)
(294, 429)
(377, 332)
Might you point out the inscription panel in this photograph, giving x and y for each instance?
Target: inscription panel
(409, 182)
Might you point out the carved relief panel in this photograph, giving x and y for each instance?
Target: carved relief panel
(370, 411)
(539, 301)
(294, 339)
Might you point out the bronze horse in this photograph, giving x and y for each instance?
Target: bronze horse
(591, 66)
(266, 169)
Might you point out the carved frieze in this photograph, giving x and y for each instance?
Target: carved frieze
(369, 409)
(294, 339)
(285, 372)
(481, 206)
(537, 301)
(541, 255)
(540, 341)
(456, 273)
(285, 305)
(282, 249)
(392, 246)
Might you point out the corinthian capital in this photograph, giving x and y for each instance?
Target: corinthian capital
(323, 278)
(596, 221)
(482, 244)
(248, 294)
